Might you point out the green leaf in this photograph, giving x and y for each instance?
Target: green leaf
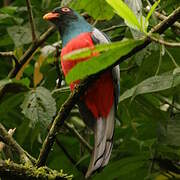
(9, 10)
(96, 64)
(126, 13)
(153, 84)
(39, 106)
(151, 11)
(94, 8)
(173, 132)
(124, 167)
(20, 34)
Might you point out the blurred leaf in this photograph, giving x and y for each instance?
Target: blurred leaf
(94, 8)
(10, 113)
(95, 64)
(173, 133)
(9, 10)
(38, 76)
(20, 34)
(153, 84)
(60, 95)
(125, 167)
(123, 10)
(39, 106)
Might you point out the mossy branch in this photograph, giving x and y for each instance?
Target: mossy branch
(8, 139)
(11, 170)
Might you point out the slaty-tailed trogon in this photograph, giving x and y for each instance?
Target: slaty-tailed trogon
(98, 105)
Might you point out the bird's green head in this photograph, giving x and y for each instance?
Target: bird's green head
(69, 22)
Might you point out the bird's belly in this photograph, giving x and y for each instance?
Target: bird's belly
(99, 97)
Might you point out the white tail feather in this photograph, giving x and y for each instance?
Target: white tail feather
(103, 134)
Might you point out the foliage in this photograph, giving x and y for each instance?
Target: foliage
(148, 123)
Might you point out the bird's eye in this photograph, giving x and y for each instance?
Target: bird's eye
(65, 9)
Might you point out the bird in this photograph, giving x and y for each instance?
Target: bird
(98, 105)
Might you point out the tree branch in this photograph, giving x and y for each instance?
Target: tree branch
(7, 139)
(81, 88)
(31, 20)
(31, 50)
(10, 170)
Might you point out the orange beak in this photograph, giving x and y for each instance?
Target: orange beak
(50, 16)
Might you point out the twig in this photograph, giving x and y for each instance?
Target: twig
(70, 157)
(31, 51)
(79, 137)
(10, 170)
(10, 132)
(113, 28)
(31, 20)
(7, 139)
(172, 58)
(10, 54)
(163, 17)
(128, 68)
(165, 43)
(81, 88)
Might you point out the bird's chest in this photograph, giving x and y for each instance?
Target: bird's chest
(83, 40)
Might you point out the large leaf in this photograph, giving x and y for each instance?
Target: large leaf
(20, 34)
(98, 9)
(39, 106)
(125, 167)
(153, 84)
(96, 64)
(125, 12)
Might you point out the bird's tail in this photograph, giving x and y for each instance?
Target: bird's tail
(103, 141)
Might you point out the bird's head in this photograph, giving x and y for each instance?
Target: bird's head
(61, 16)
(68, 21)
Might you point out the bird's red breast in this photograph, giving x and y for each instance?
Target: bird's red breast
(99, 97)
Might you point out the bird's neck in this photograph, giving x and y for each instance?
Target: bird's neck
(73, 29)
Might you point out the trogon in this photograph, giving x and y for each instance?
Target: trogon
(99, 103)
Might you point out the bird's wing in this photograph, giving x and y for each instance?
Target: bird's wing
(104, 127)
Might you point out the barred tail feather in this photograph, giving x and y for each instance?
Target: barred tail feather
(103, 139)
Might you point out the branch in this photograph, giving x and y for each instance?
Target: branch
(163, 17)
(165, 43)
(31, 20)
(31, 51)
(81, 88)
(7, 139)
(10, 132)
(11, 55)
(10, 170)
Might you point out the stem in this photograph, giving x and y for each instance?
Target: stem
(31, 20)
